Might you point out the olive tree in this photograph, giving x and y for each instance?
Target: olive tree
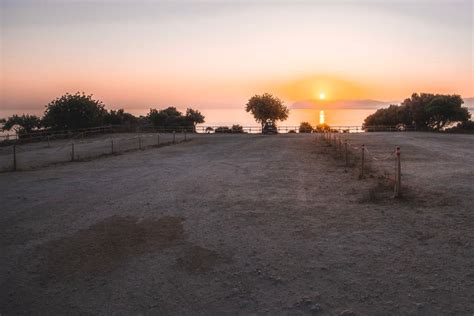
(21, 124)
(72, 111)
(267, 108)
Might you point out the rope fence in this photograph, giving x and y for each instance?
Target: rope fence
(33, 155)
(364, 159)
(50, 135)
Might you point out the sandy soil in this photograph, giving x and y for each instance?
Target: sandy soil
(240, 224)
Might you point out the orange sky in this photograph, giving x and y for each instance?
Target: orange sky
(216, 55)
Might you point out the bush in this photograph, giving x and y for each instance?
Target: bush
(171, 119)
(120, 117)
(23, 124)
(322, 128)
(73, 111)
(222, 129)
(305, 127)
(237, 129)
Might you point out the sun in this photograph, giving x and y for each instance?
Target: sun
(322, 96)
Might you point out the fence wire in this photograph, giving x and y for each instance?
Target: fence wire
(40, 154)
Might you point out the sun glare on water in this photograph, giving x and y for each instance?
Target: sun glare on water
(321, 117)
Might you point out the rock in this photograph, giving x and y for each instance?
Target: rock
(419, 305)
(315, 308)
(347, 312)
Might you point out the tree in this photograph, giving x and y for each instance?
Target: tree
(267, 108)
(444, 110)
(72, 111)
(119, 117)
(194, 116)
(462, 127)
(23, 124)
(305, 127)
(423, 111)
(170, 119)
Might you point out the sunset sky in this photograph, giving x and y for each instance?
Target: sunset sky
(139, 54)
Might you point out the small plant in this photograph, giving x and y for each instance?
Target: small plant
(237, 129)
(305, 127)
(222, 130)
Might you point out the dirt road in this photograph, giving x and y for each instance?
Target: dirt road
(237, 224)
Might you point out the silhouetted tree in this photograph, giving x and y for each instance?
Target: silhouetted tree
(322, 128)
(72, 111)
(267, 108)
(171, 119)
(222, 129)
(305, 127)
(194, 116)
(21, 124)
(119, 117)
(463, 127)
(424, 111)
(238, 129)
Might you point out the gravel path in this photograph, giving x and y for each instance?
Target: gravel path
(239, 224)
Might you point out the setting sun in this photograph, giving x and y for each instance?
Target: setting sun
(322, 96)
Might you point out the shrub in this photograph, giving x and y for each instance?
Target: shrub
(23, 124)
(305, 127)
(222, 129)
(171, 119)
(73, 111)
(237, 129)
(322, 128)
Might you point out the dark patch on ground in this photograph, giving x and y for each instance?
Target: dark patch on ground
(103, 246)
(198, 259)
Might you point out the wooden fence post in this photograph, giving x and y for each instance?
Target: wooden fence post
(72, 151)
(14, 157)
(185, 138)
(139, 142)
(339, 145)
(112, 146)
(362, 161)
(158, 139)
(174, 137)
(345, 153)
(398, 175)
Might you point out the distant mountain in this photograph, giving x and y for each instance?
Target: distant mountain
(341, 104)
(357, 104)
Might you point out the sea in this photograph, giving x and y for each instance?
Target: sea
(229, 116)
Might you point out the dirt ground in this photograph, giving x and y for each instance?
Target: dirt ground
(41, 154)
(243, 224)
